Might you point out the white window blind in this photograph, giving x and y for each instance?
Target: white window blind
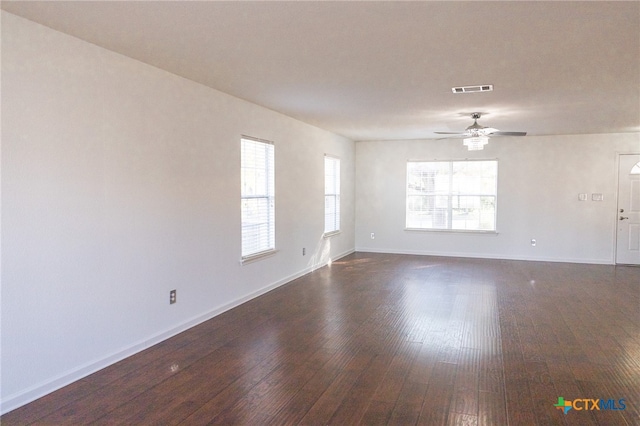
(331, 194)
(258, 197)
(456, 195)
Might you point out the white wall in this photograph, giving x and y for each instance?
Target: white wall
(539, 179)
(121, 182)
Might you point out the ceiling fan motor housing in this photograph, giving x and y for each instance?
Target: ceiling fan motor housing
(475, 129)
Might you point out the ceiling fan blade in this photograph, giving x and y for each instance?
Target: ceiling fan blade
(451, 137)
(450, 133)
(509, 134)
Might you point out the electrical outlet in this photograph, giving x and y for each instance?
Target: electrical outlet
(304, 251)
(533, 242)
(373, 235)
(172, 297)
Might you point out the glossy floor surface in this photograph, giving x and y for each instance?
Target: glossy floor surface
(388, 339)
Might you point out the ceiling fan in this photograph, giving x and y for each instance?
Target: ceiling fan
(477, 136)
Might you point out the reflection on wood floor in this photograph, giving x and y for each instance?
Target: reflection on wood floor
(387, 339)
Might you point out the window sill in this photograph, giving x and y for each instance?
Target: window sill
(257, 256)
(331, 234)
(453, 231)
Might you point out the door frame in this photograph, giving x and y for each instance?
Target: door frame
(619, 154)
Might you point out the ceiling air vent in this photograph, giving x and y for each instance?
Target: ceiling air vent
(473, 89)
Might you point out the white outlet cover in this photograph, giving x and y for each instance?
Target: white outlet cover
(582, 197)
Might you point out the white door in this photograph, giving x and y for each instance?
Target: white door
(628, 241)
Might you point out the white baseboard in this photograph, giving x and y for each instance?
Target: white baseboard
(31, 394)
(340, 256)
(488, 256)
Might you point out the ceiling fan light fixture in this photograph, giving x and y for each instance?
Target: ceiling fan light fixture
(476, 136)
(475, 143)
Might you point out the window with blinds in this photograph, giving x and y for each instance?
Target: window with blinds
(258, 197)
(331, 194)
(456, 195)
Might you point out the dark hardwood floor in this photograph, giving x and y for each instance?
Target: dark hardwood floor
(387, 339)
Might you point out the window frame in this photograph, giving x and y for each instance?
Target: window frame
(333, 193)
(265, 193)
(450, 194)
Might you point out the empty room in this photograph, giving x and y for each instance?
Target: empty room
(313, 213)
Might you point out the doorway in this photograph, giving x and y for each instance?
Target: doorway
(628, 215)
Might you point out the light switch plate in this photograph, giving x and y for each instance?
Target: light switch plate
(596, 197)
(582, 197)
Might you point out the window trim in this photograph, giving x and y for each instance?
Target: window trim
(453, 231)
(250, 257)
(257, 256)
(337, 210)
(450, 230)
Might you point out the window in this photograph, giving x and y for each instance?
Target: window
(258, 197)
(331, 194)
(456, 195)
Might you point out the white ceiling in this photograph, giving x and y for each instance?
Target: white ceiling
(384, 70)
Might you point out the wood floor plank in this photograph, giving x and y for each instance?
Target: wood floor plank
(435, 410)
(381, 339)
(466, 385)
(409, 404)
(379, 414)
(353, 407)
(491, 409)
(394, 377)
(328, 403)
